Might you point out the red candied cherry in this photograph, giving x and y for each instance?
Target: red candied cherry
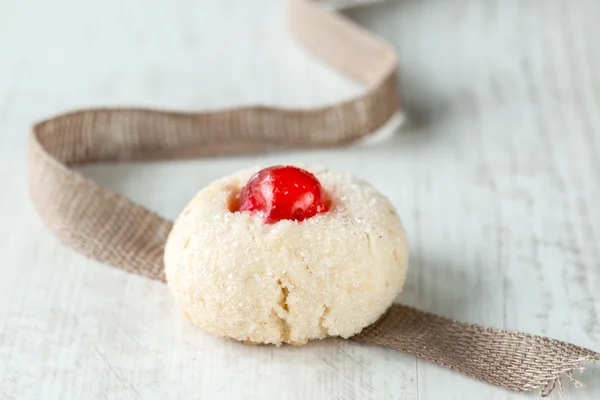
(284, 192)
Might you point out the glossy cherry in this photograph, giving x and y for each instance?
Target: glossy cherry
(284, 192)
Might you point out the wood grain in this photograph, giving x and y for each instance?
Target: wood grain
(496, 176)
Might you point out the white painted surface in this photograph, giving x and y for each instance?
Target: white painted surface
(497, 178)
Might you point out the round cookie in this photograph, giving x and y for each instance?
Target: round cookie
(330, 275)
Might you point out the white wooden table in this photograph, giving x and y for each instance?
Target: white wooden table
(497, 177)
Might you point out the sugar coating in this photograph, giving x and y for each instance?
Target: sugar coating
(289, 282)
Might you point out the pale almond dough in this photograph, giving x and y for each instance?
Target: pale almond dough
(330, 275)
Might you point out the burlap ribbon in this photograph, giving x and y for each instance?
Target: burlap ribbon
(113, 229)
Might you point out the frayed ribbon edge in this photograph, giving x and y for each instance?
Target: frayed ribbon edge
(548, 387)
